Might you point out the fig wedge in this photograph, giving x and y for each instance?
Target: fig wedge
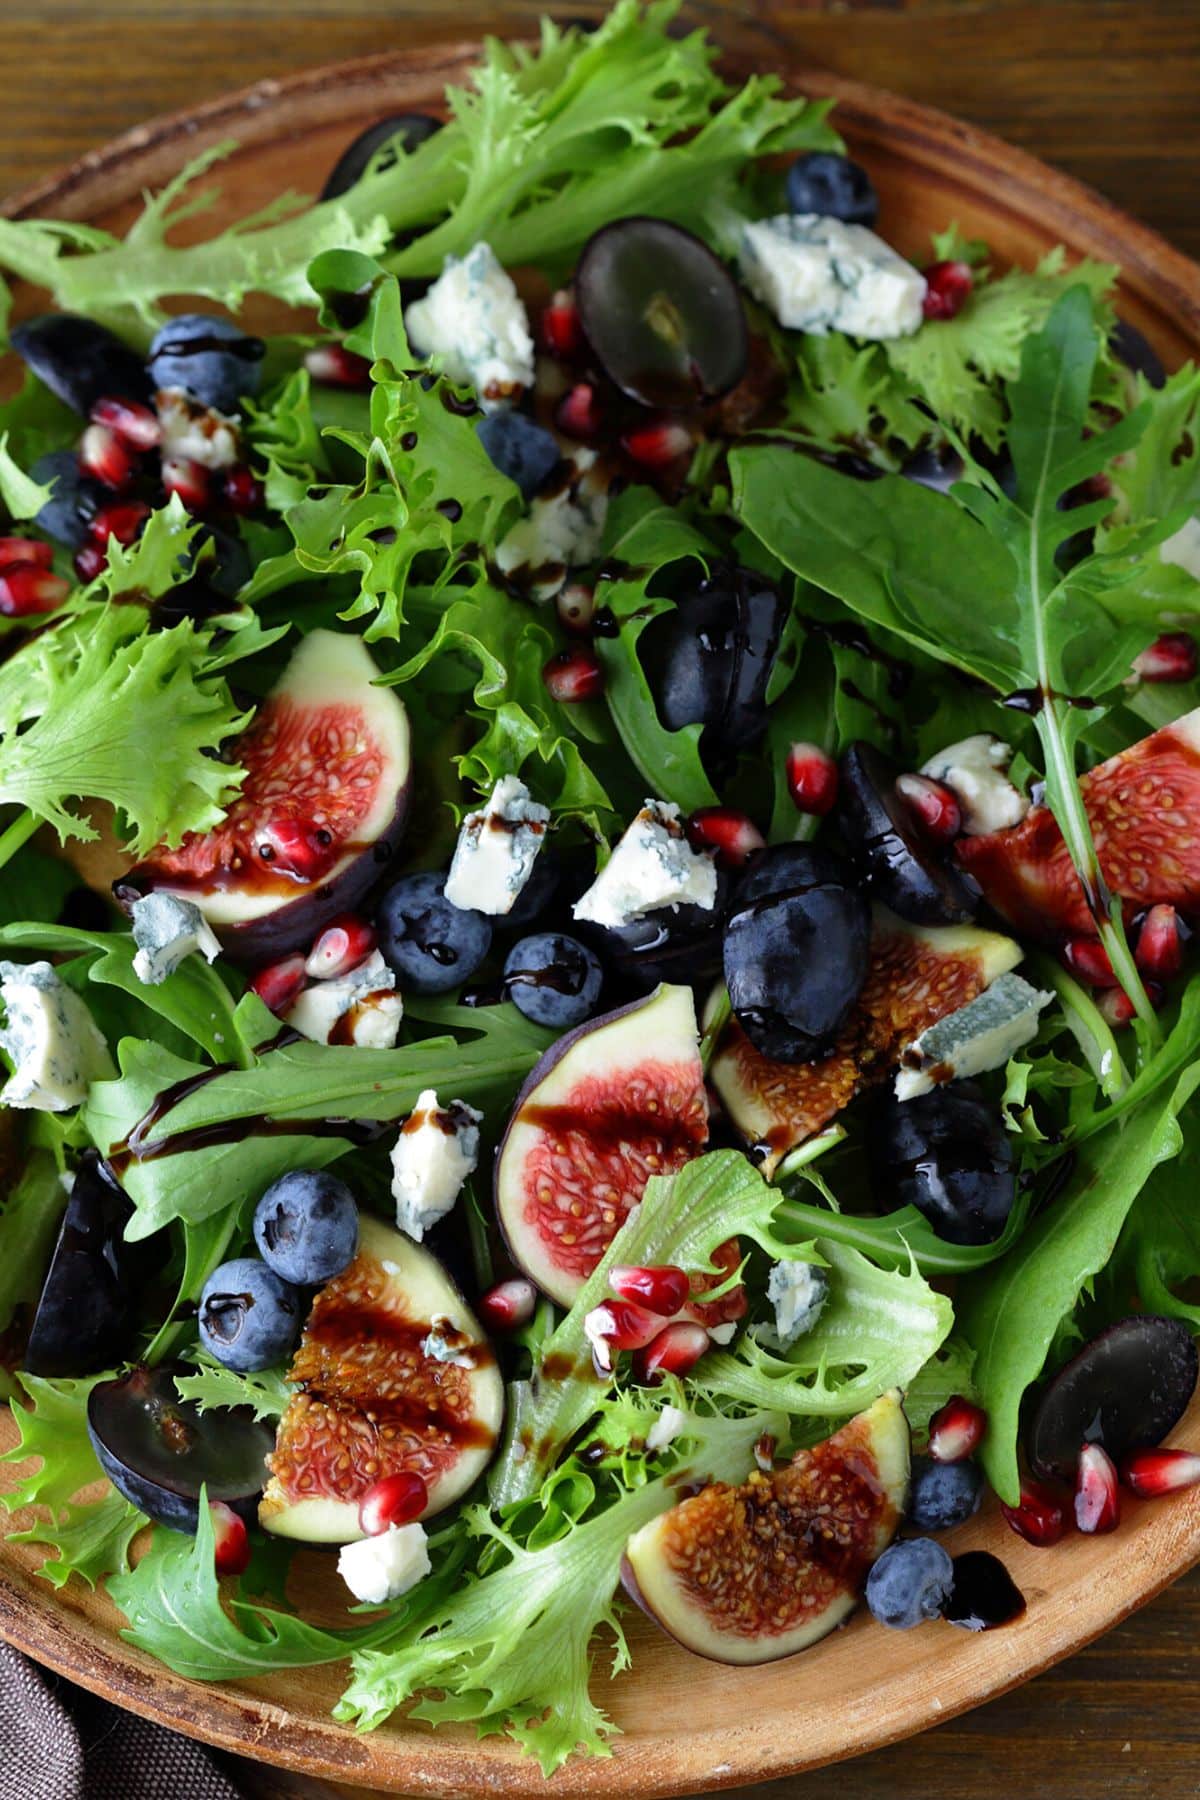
(611, 1104)
(393, 1374)
(749, 1574)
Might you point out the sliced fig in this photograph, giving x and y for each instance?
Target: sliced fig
(80, 360)
(86, 1312)
(796, 951)
(159, 1450)
(915, 976)
(373, 1401)
(1124, 1391)
(662, 314)
(319, 817)
(752, 1573)
(403, 131)
(1144, 810)
(905, 871)
(612, 1103)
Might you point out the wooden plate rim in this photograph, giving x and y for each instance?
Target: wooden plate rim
(1167, 284)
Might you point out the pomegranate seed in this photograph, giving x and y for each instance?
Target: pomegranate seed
(576, 607)
(561, 330)
(1088, 959)
(242, 490)
(1118, 1009)
(947, 287)
(574, 675)
(26, 589)
(1097, 1498)
(279, 983)
(657, 444)
(90, 560)
(1152, 1473)
(393, 1500)
(231, 1540)
(663, 1288)
(1171, 657)
(190, 480)
(619, 1325)
(730, 833)
(123, 520)
(812, 778)
(956, 1430)
(508, 1304)
(579, 413)
(14, 550)
(1040, 1518)
(136, 425)
(335, 366)
(103, 456)
(932, 805)
(294, 849)
(674, 1351)
(341, 947)
(1159, 950)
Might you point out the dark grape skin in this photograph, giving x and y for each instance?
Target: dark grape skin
(708, 660)
(796, 951)
(74, 501)
(948, 1154)
(1125, 1389)
(406, 130)
(906, 873)
(80, 360)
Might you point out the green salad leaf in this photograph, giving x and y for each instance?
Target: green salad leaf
(265, 1392)
(29, 1218)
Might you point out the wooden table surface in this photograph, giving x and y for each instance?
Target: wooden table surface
(1107, 89)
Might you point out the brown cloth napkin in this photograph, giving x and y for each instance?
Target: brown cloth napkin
(59, 1743)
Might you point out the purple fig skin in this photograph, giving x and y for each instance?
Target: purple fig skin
(546, 1064)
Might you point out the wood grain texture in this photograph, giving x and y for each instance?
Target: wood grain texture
(1108, 91)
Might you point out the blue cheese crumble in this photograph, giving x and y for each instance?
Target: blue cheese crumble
(473, 323)
(976, 772)
(496, 850)
(981, 1035)
(651, 866)
(437, 1149)
(166, 930)
(820, 275)
(798, 1292)
(359, 1007)
(51, 1039)
(561, 531)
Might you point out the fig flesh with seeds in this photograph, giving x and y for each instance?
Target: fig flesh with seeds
(752, 1573)
(611, 1104)
(393, 1374)
(319, 817)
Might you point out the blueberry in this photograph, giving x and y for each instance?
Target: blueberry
(432, 945)
(833, 186)
(553, 980)
(943, 1494)
(404, 131)
(80, 361)
(249, 1318)
(74, 499)
(211, 359)
(910, 1583)
(523, 451)
(306, 1227)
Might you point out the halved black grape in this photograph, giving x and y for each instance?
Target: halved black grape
(404, 130)
(84, 1318)
(709, 660)
(948, 1154)
(901, 867)
(662, 314)
(1124, 1390)
(80, 360)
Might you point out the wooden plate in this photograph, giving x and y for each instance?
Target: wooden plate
(689, 1726)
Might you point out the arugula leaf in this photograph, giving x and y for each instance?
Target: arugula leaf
(1157, 1255)
(511, 1650)
(876, 1330)
(1010, 1314)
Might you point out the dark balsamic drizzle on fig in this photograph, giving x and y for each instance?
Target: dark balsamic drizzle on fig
(984, 1594)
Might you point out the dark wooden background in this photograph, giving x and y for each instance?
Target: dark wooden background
(1107, 89)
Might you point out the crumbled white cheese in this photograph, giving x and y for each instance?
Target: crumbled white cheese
(496, 849)
(974, 771)
(725, 1333)
(1182, 548)
(819, 275)
(50, 1037)
(363, 996)
(981, 1035)
(195, 433)
(652, 865)
(166, 930)
(666, 1428)
(798, 1292)
(560, 532)
(474, 323)
(446, 1341)
(438, 1147)
(381, 1568)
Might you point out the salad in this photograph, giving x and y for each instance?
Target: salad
(599, 848)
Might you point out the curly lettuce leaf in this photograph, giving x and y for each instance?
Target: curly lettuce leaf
(265, 1392)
